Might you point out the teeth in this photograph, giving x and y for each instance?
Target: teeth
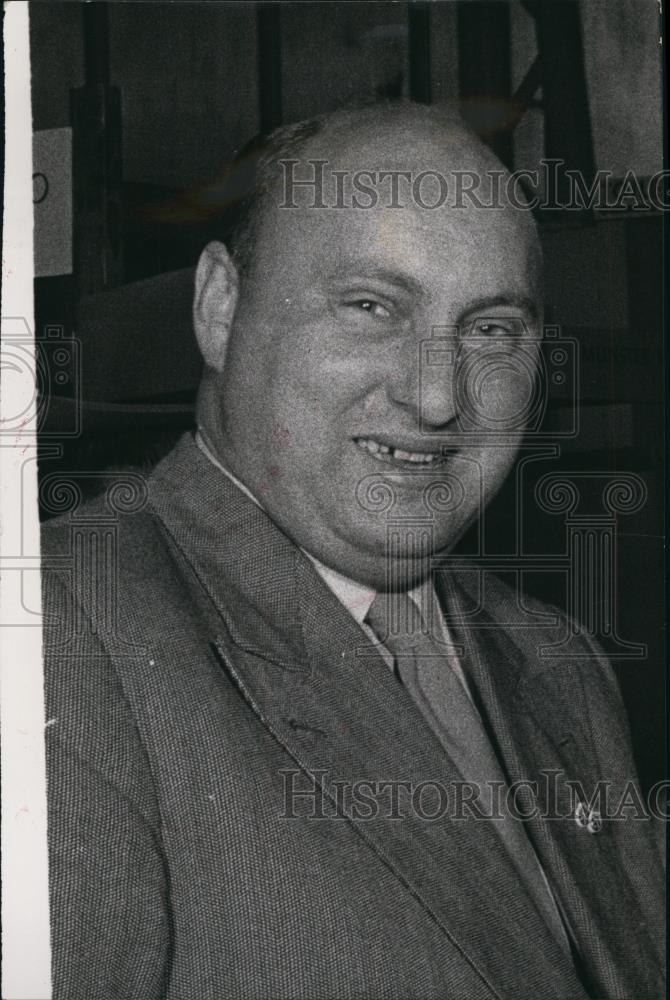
(418, 457)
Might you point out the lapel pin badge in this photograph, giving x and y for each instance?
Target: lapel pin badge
(588, 819)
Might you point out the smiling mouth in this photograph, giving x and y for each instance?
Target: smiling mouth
(398, 456)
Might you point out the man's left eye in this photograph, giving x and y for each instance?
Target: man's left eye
(511, 327)
(375, 309)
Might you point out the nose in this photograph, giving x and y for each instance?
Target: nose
(427, 383)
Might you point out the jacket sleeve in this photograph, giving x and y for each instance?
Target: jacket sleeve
(110, 920)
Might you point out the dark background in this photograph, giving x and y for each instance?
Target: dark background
(160, 96)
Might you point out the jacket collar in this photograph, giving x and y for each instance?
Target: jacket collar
(244, 562)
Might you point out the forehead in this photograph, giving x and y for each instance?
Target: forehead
(348, 213)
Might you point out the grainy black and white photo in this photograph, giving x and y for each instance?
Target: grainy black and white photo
(348, 460)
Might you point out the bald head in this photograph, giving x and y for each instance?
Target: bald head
(398, 155)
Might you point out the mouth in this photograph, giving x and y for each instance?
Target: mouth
(392, 455)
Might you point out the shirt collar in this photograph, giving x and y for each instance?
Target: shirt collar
(206, 450)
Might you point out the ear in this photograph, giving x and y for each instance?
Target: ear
(214, 303)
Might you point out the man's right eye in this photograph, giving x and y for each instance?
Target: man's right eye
(370, 306)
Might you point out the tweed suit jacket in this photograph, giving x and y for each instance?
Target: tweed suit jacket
(197, 669)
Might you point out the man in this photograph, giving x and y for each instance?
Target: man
(265, 649)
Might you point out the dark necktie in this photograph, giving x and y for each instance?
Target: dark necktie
(426, 668)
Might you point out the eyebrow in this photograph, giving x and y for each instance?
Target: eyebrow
(521, 302)
(389, 276)
(414, 287)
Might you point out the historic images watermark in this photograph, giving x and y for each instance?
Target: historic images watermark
(313, 794)
(311, 183)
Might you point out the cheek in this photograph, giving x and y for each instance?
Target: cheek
(497, 390)
(318, 376)
(471, 481)
(300, 418)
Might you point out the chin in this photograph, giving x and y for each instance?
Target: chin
(407, 539)
(406, 569)
(381, 572)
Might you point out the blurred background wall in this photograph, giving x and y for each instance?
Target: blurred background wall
(189, 86)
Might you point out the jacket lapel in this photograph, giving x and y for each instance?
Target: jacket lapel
(347, 720)
(315, 681)
(537, 718)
